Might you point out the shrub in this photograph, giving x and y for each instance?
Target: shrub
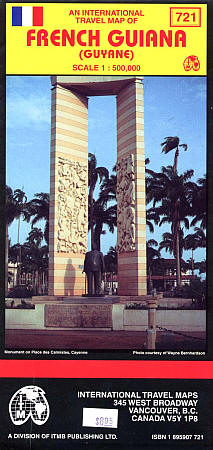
(22, 305)
(196, 291)
(20, 292)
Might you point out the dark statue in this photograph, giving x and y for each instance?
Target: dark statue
(94, 268)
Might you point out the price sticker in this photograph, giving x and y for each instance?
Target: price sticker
(100, 417)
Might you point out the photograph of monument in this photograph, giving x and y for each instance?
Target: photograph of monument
(93, 272)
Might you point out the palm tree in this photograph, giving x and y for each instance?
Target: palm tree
(152, 256)
(195, 240)
(94, 173)
(191, 263)
(13, 211)
(167, 242)
(171, 143)
(111, 260)
(103, 216)
(151, 216)
(38, 208)
(35, 237)
(108, 187)
(35, 257)
(173, 193)
(201, 266)
(199, 200)
(111, 264)
(21, 198)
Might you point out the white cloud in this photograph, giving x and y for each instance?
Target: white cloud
(25, 110)
(27, 102)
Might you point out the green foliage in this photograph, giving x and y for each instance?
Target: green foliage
(196, 291)
(110, 260)
(196, 239)
(171, 196)
(174, 200)
(201, 266)
(37, 209)
(95, 173)
(135, 305)
(14, 204)
(199, 200)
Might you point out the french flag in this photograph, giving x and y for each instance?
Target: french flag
(27, 16)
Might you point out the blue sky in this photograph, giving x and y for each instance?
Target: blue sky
(173, 106)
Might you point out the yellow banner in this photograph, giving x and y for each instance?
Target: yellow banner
(106, 39)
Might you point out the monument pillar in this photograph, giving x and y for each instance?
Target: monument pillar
(68, 192)
(69, 182)
(131, 218)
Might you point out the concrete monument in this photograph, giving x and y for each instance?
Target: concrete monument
(69, 189)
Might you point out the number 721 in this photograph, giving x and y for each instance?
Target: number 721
(185, 16)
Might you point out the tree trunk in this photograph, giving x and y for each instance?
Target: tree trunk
(19, 254)
(92, 235)
(39, 283)
(178, 270)
(176, 160)
(34, 283)
(91, 216)
(19, 265)
(97, 235)
(150, 280)
(192, 264)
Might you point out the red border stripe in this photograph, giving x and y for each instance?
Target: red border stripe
(105, 369)
(37, 16)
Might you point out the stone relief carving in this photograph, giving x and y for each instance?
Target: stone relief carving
(72, 206)
(126, 205)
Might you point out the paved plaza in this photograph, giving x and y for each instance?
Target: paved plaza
(99, 340)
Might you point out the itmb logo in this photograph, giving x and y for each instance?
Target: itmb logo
(29, 401)
(27, 16)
